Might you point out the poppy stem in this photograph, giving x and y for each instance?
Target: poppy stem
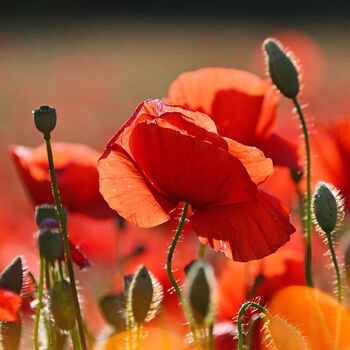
(211, 337)
(171, 276)
(239, 319)
(40, 303)
(336, 267)
(201, 251)
(308, 270)
(62, 221)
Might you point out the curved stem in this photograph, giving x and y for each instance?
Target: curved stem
(250, 332)
(65, 241)
(201, 251)
(239, 320)
(336, 267)
(308, 270)
(171, 276)
(40, 304)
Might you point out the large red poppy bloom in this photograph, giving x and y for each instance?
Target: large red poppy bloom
(242, 106)
(76, 174)
(166, 154)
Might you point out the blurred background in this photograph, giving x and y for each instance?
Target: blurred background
(96, 63)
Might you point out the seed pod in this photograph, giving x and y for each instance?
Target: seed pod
(61, 305)
(45, 119)
(10, 335)
(200, 278)
(328, 207)
(281, 68)
(12, 277)
(47, 211)
(112, 306)
(50, 244)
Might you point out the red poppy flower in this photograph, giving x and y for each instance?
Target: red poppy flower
(76, 173)
(242, 106)
(165, 155)
(10, 304)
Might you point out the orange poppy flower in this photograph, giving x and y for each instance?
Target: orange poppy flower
(10, 304)
(165, 155)
(76, 174)
(242, 106)
(320, 319)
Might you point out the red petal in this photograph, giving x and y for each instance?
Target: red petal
(126, 190)
(10, 304)
(188, 169)
(78, 257)
(244, 231)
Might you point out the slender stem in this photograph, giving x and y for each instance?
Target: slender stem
(60, 270)
(308, 270)
(336, 267)
(40, 304)
(211, 337)
(47, 275)
(75, 338)
(171, 276)
(48, 333)
(250, 332)
(138, 335)
(201, 251)
(89, 335)
(239, 320)
(65, 241)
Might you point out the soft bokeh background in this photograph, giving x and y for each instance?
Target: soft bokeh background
(96, 69)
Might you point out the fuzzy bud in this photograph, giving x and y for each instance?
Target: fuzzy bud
(112, 306)
(281, 68)
(50, 244)
(199, 292)
(46, 211)
(61, 305)
(327, 207)
(45, 119)
(12, 277)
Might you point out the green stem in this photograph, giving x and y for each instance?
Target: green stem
(60, 270)
(239, 320)
(138, 336)
(201, 251)
(40, 304)
(211, 337)
(336, 267)
(171, 276)
(47, 275)
(308, 269)
(75, 338)
(65, 241)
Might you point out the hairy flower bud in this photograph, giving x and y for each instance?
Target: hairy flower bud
(50, 244)
(61, 305)
(45, 119)
(46, 211)
(12, 276)
(112, 306)
(328, 207)
(281, 68)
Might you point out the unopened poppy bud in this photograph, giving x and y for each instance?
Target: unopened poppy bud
(10, 335)
(61, 305)
(328, 207)
(12, 277)
(50, 244)
(281, 68)
(112, 306)
(45, 119)
(143, 296)
(200, 277)
(46, 211)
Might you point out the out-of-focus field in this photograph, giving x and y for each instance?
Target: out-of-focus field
(96, 72)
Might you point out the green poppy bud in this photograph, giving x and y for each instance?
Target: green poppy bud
(281, 68)
(199, 292)
(50, 244)
(45, 119)
(112, 306)
(328, 207)
(12, 276)
(47, 211)
(62, 305)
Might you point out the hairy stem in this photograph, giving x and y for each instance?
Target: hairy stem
(40, 304)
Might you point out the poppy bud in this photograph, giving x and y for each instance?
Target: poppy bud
(12, 277)
(328, 207)
(10, 335)
(47, 211)
(45, 119)
(281, 68)
(200, 277)
(112, 306)
(50, 244)
(143, 296)
(61, 305)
